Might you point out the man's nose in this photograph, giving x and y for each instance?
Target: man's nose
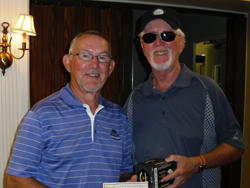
(94, 63)
(158, 40)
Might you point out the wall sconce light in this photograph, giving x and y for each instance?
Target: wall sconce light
(24, 25)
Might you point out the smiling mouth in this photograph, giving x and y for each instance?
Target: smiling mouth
(161, 53)
(93, 75)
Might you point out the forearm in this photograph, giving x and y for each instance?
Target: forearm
(222, 155)
(19, 182)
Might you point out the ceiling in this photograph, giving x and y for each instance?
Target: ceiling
(239, 6)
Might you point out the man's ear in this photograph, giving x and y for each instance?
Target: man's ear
(66, 62)
(183, 43)
(142, 47)
(111, 66)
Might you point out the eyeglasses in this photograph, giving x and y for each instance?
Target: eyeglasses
(167, 36)
(88, 57)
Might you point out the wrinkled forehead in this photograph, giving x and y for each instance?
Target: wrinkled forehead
(92, 43)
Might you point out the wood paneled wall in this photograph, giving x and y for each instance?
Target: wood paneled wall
(56, 25)
(236, 60)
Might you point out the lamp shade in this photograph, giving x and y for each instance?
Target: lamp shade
(25, 23)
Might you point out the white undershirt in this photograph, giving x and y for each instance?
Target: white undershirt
(92, 117)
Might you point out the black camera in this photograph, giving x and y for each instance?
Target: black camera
(154, 170)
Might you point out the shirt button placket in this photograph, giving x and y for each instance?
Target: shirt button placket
(163, 112)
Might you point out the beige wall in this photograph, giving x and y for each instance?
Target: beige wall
(14, 86)
(245, 183)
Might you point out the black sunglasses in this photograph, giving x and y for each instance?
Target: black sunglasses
(167, 36)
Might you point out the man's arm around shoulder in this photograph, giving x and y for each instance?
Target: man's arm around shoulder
(20, 182)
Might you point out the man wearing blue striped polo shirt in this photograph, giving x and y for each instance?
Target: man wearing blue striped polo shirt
(74, 138)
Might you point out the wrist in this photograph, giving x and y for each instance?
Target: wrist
(202, 165)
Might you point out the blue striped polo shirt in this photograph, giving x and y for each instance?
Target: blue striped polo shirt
(59, 146)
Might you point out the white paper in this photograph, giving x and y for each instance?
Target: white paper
(126, 185)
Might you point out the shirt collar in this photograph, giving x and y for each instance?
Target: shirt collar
(183, 80)
(69, 97)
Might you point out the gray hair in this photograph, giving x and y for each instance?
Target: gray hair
(180, 32)
(90, 32)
